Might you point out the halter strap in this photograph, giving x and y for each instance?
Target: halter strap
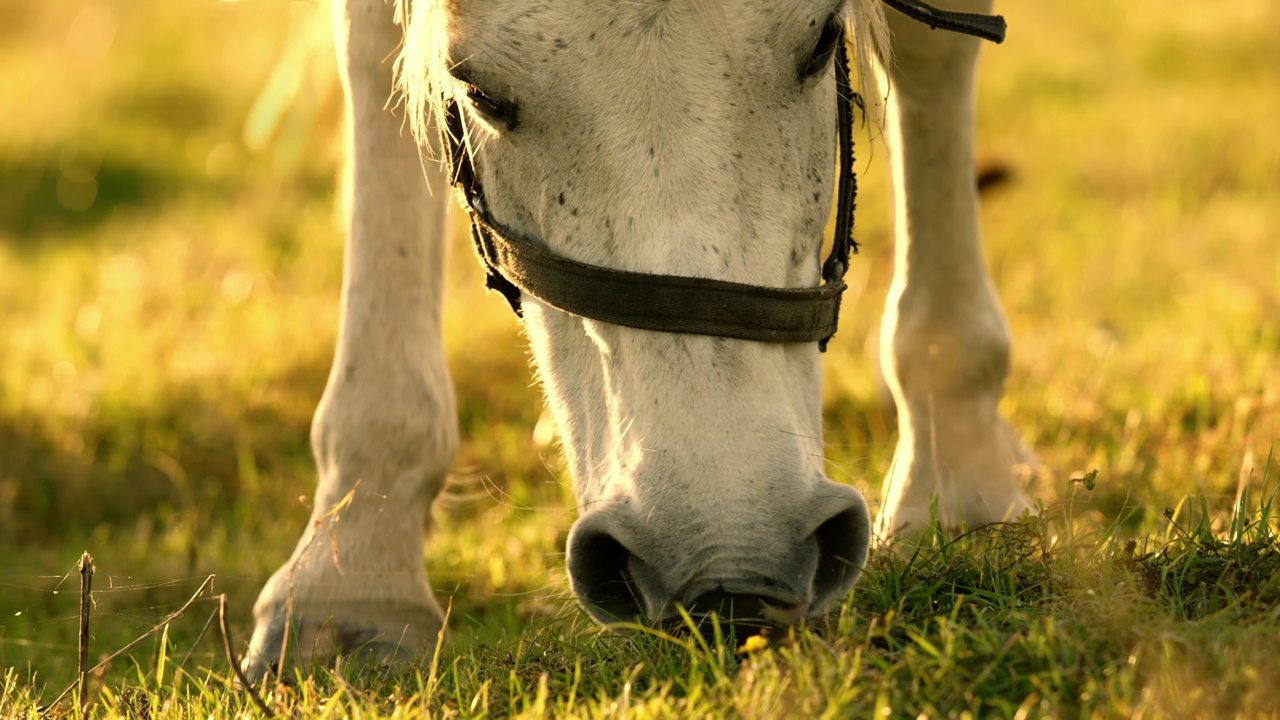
(515, 264)
(987, 27)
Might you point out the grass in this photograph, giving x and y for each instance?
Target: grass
(168, 300)
(1006, 620)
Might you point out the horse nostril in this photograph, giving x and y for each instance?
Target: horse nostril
(599, 574)
(842, 542)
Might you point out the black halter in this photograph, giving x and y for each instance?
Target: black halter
(671, 303)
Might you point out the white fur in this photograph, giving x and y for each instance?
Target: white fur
(661, 136)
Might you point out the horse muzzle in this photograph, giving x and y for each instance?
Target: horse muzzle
(760, 567)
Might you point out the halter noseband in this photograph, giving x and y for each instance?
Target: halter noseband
(515, 264)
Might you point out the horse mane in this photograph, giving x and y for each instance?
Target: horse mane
(422, 75)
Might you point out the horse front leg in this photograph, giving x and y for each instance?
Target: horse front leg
(944, 341)
(385, 432)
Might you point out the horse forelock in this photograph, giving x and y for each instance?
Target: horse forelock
(865, 23)
(423, 83)
(421, 69)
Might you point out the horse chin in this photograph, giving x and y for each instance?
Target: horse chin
(735, 617)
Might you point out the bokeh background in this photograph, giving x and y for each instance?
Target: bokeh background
(170, 260)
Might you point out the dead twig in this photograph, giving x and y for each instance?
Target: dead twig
(86, 599)
(231, 658)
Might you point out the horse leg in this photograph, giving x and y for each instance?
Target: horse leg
(944, 341)
(385, 432)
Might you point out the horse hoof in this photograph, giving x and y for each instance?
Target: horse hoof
(364, 635)
(990, 491)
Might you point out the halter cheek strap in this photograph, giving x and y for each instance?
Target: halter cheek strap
(516, 265)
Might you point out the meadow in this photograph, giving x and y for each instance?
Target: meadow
(170, 259)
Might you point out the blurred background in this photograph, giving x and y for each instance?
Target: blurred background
(170, 261)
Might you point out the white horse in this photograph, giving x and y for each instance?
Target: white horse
(675, 137)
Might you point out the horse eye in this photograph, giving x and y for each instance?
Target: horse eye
(832, 35)
(493, 110)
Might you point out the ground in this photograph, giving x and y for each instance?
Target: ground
(169, 272)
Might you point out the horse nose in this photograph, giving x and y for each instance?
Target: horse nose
(626, 565)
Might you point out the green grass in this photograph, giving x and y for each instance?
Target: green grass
(168, 301)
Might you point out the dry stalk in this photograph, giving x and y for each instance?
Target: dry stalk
(86, 600)
(231, 657)
(79, 682)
